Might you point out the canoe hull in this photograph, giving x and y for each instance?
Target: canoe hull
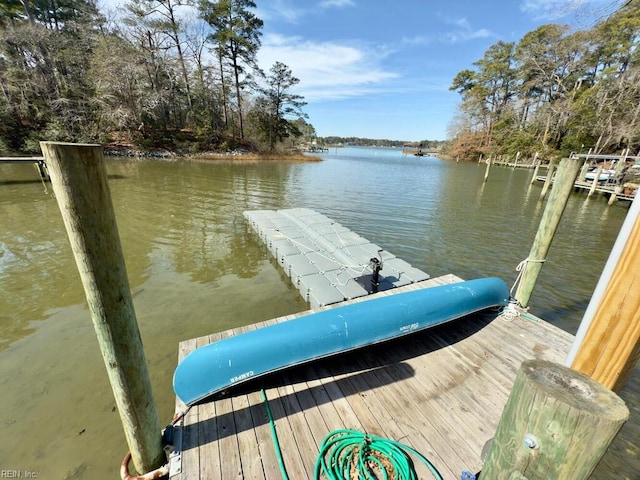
(215, 367)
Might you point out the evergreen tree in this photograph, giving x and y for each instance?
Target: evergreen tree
(276, 104)
(237, 38)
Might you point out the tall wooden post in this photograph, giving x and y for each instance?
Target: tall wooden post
(622, 162)
(536, 169)
(617, 190)
(563, 185)
(548, 180)
(585, 167)
(486, 172)
(594, 184)
(557, 424)
(42, 171)
(79, 181)
(607, 344)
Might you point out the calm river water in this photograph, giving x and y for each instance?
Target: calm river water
(195, 268)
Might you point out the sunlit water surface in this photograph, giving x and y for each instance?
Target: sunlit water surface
(195, 268)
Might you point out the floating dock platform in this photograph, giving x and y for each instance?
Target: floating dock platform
(326, 261)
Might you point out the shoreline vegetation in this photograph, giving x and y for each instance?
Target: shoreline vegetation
(235, 156)
(250, 157)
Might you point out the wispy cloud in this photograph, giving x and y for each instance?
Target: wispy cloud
(456, 30)
(337, 3)
(420, 40)
(460, 30)
(550, 10)
(281, 10)
(327, 70)
(289, 11)
(463, 36)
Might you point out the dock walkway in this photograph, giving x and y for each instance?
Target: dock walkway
(440, 391)
(39, 162)
(601, 187)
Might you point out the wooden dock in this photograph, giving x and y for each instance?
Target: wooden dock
(601, 187)
(440, 391)
(514, 165)
(39, 163)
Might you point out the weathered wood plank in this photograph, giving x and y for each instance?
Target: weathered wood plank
(293, 460)
(427, 409)
(247, 441)
(191, 446)
(208, 431)
(250, 456)
(315, 419)
(208, 445)
(190, 438)
(265, 441)
(339, 401)
(230, 464)
(298, 422)
(402, 420)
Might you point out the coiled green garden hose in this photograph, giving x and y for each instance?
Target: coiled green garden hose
(346, 452)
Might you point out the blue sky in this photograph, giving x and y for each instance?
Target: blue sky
(382, 68)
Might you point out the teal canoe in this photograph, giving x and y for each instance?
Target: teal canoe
(230, 361)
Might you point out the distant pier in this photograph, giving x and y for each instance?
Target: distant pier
(604, 174)
(604, 188)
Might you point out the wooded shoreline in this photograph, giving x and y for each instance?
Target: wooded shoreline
(236, 156)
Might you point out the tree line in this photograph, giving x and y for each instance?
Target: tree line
(377, 142)
(553, 92)
(176, 74)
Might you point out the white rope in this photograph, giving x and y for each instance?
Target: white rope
(522, 266)
(349, 279)
(509, 313)
(335, 230)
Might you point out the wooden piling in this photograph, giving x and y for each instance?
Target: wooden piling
(614, 195)
(41, 166)
(607, 344)
(548, 180)
(557, 423)
(585, 167)
(583, 171)
(486, 172)
(536, 169)
(621, 163)
(563, 185)
(594, 184)
(79, 181)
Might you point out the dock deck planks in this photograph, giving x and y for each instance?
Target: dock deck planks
(441, 391)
